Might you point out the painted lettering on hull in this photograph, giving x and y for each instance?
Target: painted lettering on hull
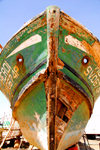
(93, 75)
(8, 75)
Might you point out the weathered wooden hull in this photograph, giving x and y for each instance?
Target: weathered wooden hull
(69, 124)
(50, 72)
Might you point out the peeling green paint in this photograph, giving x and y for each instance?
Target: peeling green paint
(32, 113)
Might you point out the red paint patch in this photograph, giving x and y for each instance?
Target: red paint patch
(73, 148)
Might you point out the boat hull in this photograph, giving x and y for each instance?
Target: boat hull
(32, 115)
(50, 72)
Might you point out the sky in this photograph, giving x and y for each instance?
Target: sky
(14, 13)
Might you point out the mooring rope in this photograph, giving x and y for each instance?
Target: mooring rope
(11, 124)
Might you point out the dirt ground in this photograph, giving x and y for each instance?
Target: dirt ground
(10, 148)
(89, 145)
(29, 148)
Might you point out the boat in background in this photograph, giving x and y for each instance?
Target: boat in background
(50, 72)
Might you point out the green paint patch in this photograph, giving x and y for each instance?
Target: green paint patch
(32, 55)
(79, 118)
(21, 86)
(76, 36)
(32, 108)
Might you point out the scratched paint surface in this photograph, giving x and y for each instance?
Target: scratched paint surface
(16, 64)
(74, 29)
(31, 115)
(76, 69)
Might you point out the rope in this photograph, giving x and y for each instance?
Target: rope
(20, 144)
(12, 122)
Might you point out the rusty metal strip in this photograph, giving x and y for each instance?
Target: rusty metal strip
(30, 73)
(76, 24)
(75, 84)
(79, 76)
(31, 83)
(53, 14)
(83, 92)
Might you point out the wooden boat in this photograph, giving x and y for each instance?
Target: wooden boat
(50, 72)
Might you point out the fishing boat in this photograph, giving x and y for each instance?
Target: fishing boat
(50, 72)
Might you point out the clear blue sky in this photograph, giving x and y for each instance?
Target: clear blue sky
(14, 13)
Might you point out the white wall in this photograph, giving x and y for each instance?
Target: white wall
(93, 126)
